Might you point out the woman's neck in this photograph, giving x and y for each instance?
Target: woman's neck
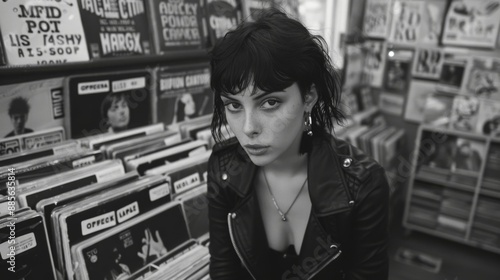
(288, 166)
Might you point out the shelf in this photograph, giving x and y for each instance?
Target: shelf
(435, 232)
(493, 194)
(156, 60)
(446, 183)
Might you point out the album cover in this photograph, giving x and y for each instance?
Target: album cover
(85, 176)
(469, 155)
(101, 212)
(438, 151)
(11, 146)
(491, 176)
(377, 17)
(47, 205)
(177, 25)
(195, 206)
(464, 113)
(97, 141)
(189, 176)
(378, 141)
(166, 156)
(115, 28)
(437, 109)
(61, 148)
(32, 259)
(352, 74)
(253, 8)
(112, 150)
(183, 93)
(134, 151)
(222, 16)
(31, 106)
(191, 128)
(472, 23)
(398, 70)
(147, 151)
(428, 63)
(127, 248)
(375, 59)
(432, 21)
(39, 168)
(407, 19)
(108, 102)
(453, 72)
(391, 147)
(45, 32)
(484, 78)
(417, 98)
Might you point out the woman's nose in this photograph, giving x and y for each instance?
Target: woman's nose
(251, 124)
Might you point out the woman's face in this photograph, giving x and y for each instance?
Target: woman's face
(268, 125)
(119, 114)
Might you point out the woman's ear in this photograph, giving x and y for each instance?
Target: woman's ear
(311, 98)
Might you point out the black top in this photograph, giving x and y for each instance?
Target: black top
(281, 262)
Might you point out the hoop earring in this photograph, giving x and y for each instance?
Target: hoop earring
(306, 140)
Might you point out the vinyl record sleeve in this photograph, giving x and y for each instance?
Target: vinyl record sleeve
(166, 156)
(483, 78)
(32, 170)
(46, 206)
(488, 121)
(183, 93)
(464, 113)
(195, 206)
(397, 74)
(82, 220)
(97, 141)
(377, 18)
(38, 105)
(222, 16)
(417, 97)
(46, 151)
(180, 164)
(177, 25)
(3, 59)
(42, 32)
(96, 173)
(375, 59)
(472, 23)
(33, 259)
(126, 145)
(115, 28)
(127, 248)
(108, 102)
(152, 150)
(190, 176)
(454, 71)
(191, 128)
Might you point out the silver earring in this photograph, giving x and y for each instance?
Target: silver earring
(308, 123)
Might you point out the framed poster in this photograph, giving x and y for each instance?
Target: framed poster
(428, 63)
(376, 20)
(42, 32)
(472, 23)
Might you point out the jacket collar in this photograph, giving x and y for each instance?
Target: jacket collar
(325, 175)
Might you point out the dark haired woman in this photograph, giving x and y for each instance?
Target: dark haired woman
(286, 199)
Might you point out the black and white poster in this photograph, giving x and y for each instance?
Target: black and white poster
(375, 59)
(428, 63)
(42, 32)
(183, 93)
(376, 21)
(115, 28)
(453, 71)
(472, 23)
(484, 78)
(108, 103)
(177, 24)
(222, 16)
(398, 70)
(31, 107)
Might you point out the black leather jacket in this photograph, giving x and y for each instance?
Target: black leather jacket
(347, 232)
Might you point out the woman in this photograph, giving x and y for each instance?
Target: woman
(115, 112)
(286, 199)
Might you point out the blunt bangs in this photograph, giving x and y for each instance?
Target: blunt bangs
(255, 63)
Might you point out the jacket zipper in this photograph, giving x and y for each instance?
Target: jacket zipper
(233, 240)
(324, 265)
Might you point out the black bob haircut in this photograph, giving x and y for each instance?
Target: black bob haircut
(270, 55)
(19, 105)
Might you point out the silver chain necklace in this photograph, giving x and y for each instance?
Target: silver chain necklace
(283, 215)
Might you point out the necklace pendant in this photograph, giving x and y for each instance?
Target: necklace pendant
(283, 218)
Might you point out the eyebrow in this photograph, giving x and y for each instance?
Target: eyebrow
(256, 96)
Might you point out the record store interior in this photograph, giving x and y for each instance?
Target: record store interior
(106, 114)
